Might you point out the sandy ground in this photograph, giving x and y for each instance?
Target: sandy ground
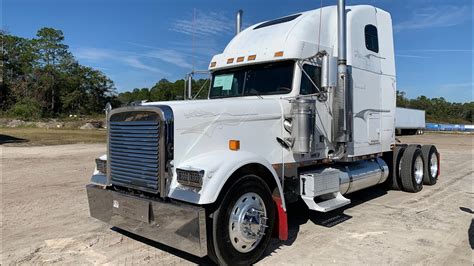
(44, 217)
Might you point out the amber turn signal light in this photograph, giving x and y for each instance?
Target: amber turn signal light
(278, 54)
(234, 145)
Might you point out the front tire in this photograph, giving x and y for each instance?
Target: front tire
(242, 223)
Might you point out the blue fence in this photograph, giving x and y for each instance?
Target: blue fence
(448, 127)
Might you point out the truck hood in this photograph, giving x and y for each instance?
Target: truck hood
(202, 126)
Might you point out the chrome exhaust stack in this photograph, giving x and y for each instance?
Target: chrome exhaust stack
(238, 22)
(341, 34)
(190, 87)
(340, 127)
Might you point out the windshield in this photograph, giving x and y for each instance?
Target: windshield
(264, 79)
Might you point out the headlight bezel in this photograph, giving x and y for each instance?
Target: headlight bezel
(190, 177)
(101, 166)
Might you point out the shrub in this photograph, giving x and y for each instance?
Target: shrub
(26, 109)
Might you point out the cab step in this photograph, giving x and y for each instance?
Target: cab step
(337, 201)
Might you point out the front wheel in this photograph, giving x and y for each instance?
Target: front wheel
(242, 223)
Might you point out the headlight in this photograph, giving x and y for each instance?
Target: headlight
(191, 178)
(101, 166)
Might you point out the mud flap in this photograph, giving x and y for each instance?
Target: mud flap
(281, 223)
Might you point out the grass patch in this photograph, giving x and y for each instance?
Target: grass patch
(43, 136)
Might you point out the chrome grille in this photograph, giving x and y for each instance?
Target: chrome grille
(134, 150)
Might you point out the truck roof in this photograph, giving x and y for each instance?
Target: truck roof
(291, 37)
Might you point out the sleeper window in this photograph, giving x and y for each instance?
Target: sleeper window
(371, 38)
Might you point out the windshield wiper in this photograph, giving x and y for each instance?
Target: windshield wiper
(254, 94)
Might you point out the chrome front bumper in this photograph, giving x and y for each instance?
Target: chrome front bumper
(174, 224)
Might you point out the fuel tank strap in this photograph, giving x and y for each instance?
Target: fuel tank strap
(350, 179)
(382, 170)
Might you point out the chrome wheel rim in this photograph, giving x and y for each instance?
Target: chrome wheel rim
(434, 165)
(247, 222)
(399, 166)
(418, 169)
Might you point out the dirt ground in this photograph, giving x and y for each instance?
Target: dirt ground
(44, 217)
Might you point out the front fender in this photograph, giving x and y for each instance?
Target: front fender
(218, 166)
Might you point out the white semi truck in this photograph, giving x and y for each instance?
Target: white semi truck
(300, 108)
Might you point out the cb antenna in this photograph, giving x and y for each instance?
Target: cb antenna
(320, 22)
(194, 33)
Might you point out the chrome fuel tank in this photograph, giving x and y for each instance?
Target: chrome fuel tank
(359, 175)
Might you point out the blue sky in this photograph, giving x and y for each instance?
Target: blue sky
(136, 43)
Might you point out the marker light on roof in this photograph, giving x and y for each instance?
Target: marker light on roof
(278, 54)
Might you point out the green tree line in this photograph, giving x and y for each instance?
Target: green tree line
(41, 78)
(165, 90)
(438, 110)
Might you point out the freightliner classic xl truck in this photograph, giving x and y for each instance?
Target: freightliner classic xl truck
(299, 108)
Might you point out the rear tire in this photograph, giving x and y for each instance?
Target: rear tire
(238, 221)
(394, 181)
(412, 169)
(431, 158)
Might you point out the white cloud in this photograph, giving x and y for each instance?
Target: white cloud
(440, 50)
(442, 16)
(99, 68)
(173, 57)
(457, 92)
(203, 47)
(98, 55)
(204, 24)
(206, 28)
(182, 55)
(92, 54)
(410, 56)
(136, 63)
(459, 85)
